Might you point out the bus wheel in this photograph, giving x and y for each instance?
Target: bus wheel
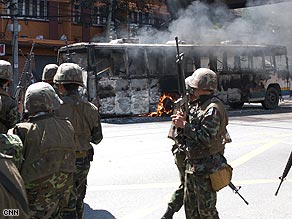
(271, 99)
(236, 105)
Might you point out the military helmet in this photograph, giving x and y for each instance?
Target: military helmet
(69, 73)
(41, 97)
(203, 78)
(5, 70)
(49, 72)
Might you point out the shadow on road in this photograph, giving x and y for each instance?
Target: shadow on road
(90, 213)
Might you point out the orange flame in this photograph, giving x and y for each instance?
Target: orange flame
(164, 107)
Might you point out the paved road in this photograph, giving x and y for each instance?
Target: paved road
(133, 174)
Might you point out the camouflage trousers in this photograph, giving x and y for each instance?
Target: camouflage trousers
(80, 178)
(49, 195)
(200, 199)
(176, 201)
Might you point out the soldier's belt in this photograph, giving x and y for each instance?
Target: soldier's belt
(81, 154)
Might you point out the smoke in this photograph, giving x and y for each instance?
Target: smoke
(212, 24)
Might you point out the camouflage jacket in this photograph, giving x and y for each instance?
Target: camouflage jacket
(48, 144)
(11, 144)
(9, 115)
(206, 134)
(85, 119)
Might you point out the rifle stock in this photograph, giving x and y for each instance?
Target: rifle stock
(285, 173)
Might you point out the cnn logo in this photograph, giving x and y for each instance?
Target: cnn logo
(10, 212)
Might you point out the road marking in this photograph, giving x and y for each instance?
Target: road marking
(243, 159)
(143, 212)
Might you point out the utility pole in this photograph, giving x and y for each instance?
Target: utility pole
(15, 30)
(109, 21)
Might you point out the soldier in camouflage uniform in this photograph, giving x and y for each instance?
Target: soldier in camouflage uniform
(12, 190)
(205, 135)
(85, 119)
(9, 113)
(11, 144)
(49, 153)
(49, 72)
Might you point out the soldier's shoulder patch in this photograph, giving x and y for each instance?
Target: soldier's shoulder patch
(211, 111)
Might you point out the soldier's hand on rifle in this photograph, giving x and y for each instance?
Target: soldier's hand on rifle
(179, 119)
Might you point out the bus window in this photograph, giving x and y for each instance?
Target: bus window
(236, 62)
(103, 63)
(244, 63)
(269, 62)
(205, 62)
(258, 62)
(220, 63)
(119, 63)
(154, 62)
(230, 63)
(137, 62)
(213, 63)
(189, 66)
(281, 62)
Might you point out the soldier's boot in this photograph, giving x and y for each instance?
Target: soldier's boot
(169, 213)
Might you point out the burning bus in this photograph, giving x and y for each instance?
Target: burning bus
(128, 78)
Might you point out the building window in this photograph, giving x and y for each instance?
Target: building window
(143, 18)
(76, 13)
(33, 9)
(98, 16)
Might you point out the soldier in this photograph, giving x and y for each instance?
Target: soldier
(85, 119)
(9, 113)
(205, 135)
(179, 153)
(49, 158)
(12, 191)
(49, 72)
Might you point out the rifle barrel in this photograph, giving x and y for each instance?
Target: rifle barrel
(285, 173)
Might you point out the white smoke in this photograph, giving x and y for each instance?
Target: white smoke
(201, 24)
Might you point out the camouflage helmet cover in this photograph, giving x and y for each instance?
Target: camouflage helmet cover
(49, 72)
(69, 73)
(40, 97)
(203, 78)
(5, 70)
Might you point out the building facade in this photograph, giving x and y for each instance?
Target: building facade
(51, 24)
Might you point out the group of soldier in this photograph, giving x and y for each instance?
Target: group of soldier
(45, 158)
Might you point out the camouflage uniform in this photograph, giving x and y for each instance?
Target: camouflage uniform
(49, 72)
(11, 144)
(49, 153)
(12, 191)
(85, 119)
(9, 112)
(205, 136)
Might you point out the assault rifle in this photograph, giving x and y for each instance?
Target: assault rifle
(285, 173)
(24, 80)
(235, 189)
(182, 102)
